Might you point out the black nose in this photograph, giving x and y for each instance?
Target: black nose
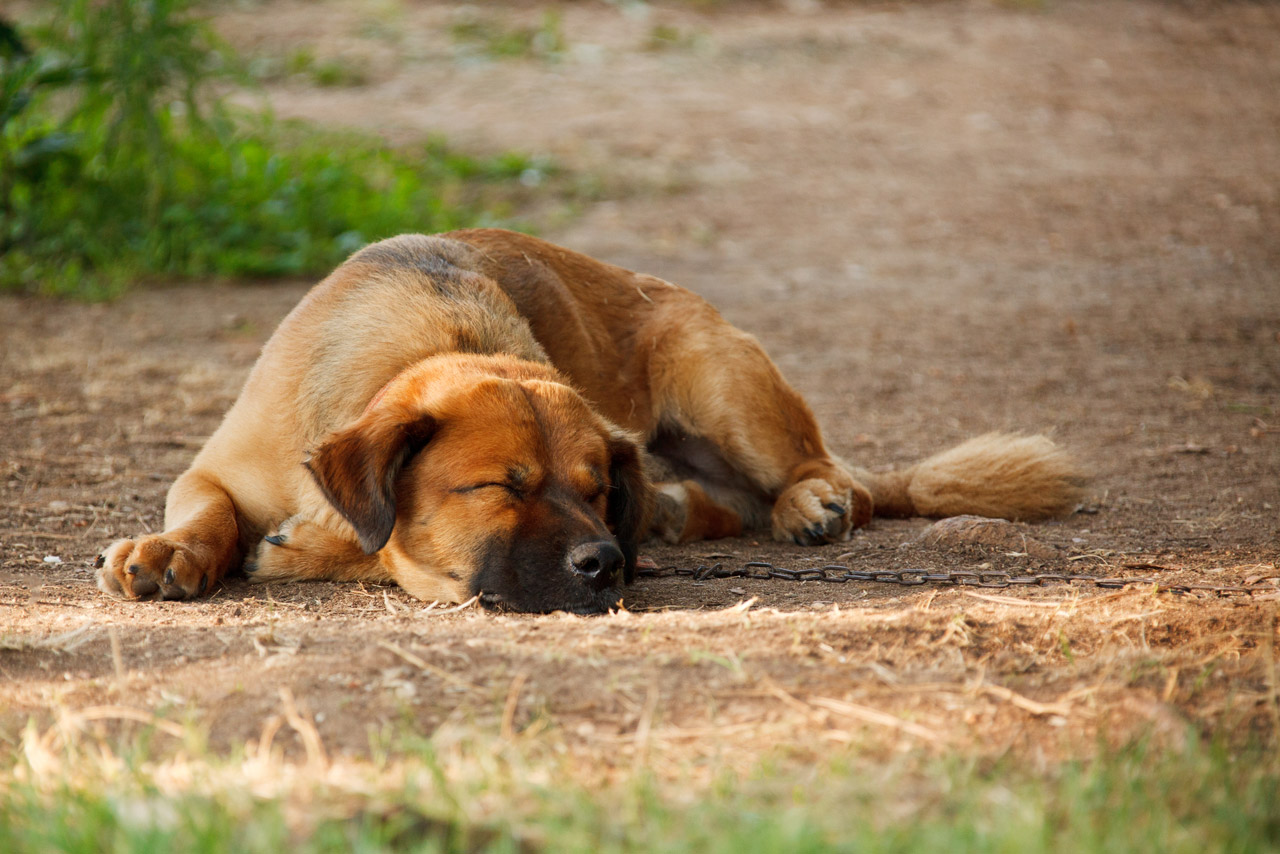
(593, 560)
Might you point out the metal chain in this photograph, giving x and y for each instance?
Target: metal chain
(839, 574)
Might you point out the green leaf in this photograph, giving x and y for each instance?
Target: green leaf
(10, 42)
(16, 104)
(45, 149)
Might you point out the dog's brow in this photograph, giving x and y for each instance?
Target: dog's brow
(518, 476)
(591, 475)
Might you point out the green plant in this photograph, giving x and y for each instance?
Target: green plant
(133, 170)
(28, 148)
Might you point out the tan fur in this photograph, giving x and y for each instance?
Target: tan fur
(999, 475)
(439, 404)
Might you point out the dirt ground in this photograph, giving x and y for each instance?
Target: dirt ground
(940, 219)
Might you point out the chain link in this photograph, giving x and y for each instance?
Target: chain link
(839, 574)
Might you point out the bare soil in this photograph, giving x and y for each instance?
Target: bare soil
(940, 219)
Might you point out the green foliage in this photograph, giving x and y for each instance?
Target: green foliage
(115, 163)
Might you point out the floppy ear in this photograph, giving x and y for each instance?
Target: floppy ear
(356, 468)
(630, 498)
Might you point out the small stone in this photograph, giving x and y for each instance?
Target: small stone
(968, 531)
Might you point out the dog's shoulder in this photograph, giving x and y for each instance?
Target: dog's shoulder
(388, 306)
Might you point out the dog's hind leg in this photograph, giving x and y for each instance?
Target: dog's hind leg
(714, 383)
(198, 547)
(683, 513)
(303, 550)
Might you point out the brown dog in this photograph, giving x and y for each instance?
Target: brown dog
(485, 413)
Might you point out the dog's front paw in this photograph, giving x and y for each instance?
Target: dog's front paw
(814, 511)
(152, 567)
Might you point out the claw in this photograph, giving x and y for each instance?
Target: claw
(835, 508)
(276, 539)
(99, 561)
(134, 568)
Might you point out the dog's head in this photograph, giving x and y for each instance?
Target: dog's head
(491, 476)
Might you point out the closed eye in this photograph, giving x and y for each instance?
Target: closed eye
(490, 485)
(597, 488)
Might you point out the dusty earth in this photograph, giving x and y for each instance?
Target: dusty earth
(941, 219)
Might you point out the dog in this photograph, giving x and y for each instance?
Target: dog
(483, 413)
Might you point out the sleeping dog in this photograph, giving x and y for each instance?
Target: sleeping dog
(485, 413)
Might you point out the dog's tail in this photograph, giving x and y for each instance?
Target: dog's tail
(1000, 475)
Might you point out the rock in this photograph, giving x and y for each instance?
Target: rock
(968, 531)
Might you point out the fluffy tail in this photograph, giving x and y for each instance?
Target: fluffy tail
(1000, 475)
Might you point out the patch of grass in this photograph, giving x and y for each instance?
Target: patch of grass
(1024, 5)
(143, 819)
(303, 63)
(666, 37)
(1249, 409)
(495, 39)
(116, 164)
(446, 795)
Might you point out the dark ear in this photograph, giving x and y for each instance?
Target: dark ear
(630, 498)
(356, 468)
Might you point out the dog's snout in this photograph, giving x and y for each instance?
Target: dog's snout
(596, 560)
